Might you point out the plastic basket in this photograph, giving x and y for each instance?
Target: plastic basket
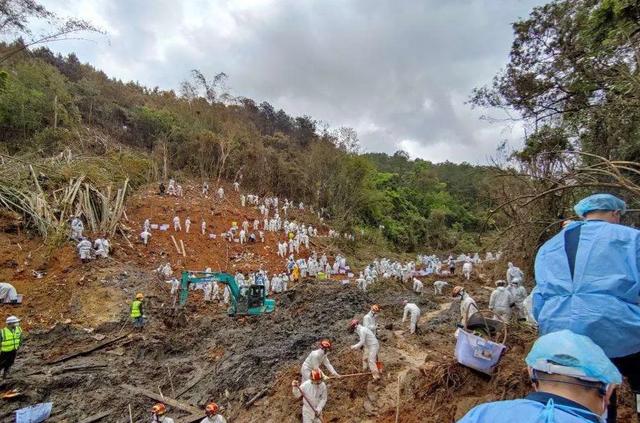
(478, 352)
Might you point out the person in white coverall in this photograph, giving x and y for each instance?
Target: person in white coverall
(314, 396)
(514, 272)
(187, 224)
(501, 301)
(369, 343)
(85, 250)
(519, 294)
(144, 236)
(102, 246)
(417, 286)
(414, 312)
(212, 411)
(369, 320)
(467, 268)
(468, 306)
(438, 286)
(76, 228)
(176, 224)
(315, 359)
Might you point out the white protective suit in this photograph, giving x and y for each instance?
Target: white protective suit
(519, 294)
(369, 321)
(414, 311)
(144, 236)
(77, 227)
(313, 361)
(438, 286)
(102, 246)
(176, 224)
(500, 302)
(8, 293)
(514, 273)
(370, 345)
(417, 286)
(469, 304)
(214, 419)
(161, 419)
(467, 268)
(85, 249)
(314, 398)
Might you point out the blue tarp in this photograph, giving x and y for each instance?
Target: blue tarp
(34, 414)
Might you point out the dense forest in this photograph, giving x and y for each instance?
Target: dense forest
(50, 103)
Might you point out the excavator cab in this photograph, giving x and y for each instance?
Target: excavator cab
(251, 300)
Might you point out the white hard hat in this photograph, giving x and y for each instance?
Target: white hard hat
(12, 319)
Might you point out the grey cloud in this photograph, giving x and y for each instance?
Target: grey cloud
(370, 64)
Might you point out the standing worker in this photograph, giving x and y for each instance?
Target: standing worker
(588, 281)
(501, 301)
(370, 346)
(315, 359)
(212, 411)
(11, 337)
(158, 414)
(314, 397)
(369, 320)
(414, 311)
(468, 306)
(137, 313)
(467, 268)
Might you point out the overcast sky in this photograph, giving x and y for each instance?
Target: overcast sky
(398, 71)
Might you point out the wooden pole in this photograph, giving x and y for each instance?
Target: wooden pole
(130, 414)
(398, 401)
(184, 253)
(175, 244)
(173, 390)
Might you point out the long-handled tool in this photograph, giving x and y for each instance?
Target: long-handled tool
(304, 397)
(349, 375)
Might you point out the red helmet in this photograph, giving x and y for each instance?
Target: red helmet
(316, 375)
(353, 324)
(159, 409)
(212, 409)
(325, 344)
(375, 308)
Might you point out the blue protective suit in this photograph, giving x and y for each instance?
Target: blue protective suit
(598, 295)
(530, 411)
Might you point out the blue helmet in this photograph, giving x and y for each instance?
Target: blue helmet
(567, 353)
(606, 202)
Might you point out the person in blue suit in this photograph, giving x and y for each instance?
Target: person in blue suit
(588, 281)
(573, 381)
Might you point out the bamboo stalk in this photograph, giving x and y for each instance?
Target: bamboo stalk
(175, 244)
(184, 253)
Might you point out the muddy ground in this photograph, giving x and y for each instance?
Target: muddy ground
(200, 354)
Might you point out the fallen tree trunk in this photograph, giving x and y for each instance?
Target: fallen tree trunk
(166, 400)
(88, 351)
(96, 417)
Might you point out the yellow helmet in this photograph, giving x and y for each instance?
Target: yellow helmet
(139, 296)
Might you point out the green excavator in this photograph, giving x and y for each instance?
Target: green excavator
(249, 301)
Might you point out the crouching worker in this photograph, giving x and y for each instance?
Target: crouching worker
(314, 396)
(573, 381)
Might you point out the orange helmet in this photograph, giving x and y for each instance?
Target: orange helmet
(139, 296)
(457, 291)
(159, 409)
(212, 409)
(353, 324)
(375, 308)
(325, 344)
(316, 375)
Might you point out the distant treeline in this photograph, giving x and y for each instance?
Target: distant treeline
(50, 103)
